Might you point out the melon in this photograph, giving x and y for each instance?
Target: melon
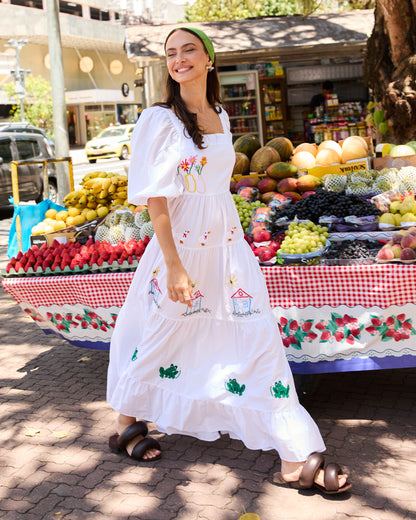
(303, 159)
(242, 164)
(247, 144)
(402, 150)
(283, 145)
(352, 150)
(281, 170)
(355, 139)
(307, 147)
(412, 144)
(262, 158)
(327, 156)
(331, 145)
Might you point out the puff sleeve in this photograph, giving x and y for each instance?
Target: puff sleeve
(155, 155)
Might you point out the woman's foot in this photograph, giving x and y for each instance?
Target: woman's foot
(123, 422)
(313, 473)
(291, 472)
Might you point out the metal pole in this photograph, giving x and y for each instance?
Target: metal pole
(60, 125)
(19, 75)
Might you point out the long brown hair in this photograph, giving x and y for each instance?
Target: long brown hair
(174, 101)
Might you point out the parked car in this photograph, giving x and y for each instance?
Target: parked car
(27, 128)
(114, 141)
(16, 147)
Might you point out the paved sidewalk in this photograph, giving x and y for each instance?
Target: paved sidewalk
(56, 464)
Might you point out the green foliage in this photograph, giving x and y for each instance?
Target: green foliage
(214, 10)
(37, 103)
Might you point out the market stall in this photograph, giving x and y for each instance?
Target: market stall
(332, 318)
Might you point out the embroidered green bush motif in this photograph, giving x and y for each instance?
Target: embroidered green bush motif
(171, 372)
(134, 357)
(234, 387)
(279, 391)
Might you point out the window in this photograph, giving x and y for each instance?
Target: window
(70, 8)
(99, 14)
(37, 4)
(5, 150)
(27, 149)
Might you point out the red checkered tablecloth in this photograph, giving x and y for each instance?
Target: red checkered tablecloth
(366, 285)
(299, 286)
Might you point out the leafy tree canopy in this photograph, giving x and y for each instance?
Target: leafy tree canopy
(37, 103)
(215, 10)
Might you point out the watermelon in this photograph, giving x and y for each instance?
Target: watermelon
(283, 145)
(247, 144)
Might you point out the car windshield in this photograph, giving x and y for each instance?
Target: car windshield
(111, 132)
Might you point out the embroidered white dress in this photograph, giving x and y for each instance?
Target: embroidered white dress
(220, 366)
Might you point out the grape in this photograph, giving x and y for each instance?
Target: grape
(245, 210)
(325, 203)
(304, 237)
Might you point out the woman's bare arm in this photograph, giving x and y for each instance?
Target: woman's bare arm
(178, 283)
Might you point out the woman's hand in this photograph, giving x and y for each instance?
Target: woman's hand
(179, 285)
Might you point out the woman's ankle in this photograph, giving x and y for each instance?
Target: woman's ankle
(123, 422)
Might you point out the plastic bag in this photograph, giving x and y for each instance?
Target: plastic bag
(30, 215)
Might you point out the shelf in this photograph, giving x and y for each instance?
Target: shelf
(274, 120)
(243, 98)
(243, 133)
(242, 117)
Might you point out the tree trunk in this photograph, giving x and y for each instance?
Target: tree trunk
(390, 65)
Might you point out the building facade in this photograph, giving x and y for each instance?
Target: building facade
(100, 82)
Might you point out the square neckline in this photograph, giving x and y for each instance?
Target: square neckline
(203, 135)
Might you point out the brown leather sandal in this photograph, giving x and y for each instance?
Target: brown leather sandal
(118, 443)
(314, 463)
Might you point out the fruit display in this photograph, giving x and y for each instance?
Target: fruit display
(99, 193)
(121, 225)
(304, 237)
(74, 258)
(325, 203)
(400, 248)
(309, 155)
(401, 212)
(245, 210)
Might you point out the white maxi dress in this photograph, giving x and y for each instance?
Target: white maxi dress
(219, 366)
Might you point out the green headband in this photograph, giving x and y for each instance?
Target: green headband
(205, 40)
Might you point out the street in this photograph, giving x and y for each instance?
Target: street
(82, 167)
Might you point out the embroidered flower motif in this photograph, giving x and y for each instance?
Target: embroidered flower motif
(185, 165)
(192, 159)
(204, 161)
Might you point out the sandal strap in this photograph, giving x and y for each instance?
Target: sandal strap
(132, 431)
(148, 443)
(331, 473)
(311, 467)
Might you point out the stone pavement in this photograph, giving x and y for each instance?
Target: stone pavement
(55, 463)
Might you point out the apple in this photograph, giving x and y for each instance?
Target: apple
(261, 235)
(275, 245)
(266, 253)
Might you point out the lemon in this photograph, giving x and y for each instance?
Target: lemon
(51, 213)
(61, 215)
(79, 219)
(73, 212)
(59, 224)
(91, 215)
(102, 211)
(70, 221)
(50, 221)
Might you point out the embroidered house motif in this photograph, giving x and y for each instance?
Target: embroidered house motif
(241, 303)
(196, 301)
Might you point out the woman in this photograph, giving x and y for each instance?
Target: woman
(196, 348)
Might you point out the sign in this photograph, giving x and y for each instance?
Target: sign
(125, 89)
